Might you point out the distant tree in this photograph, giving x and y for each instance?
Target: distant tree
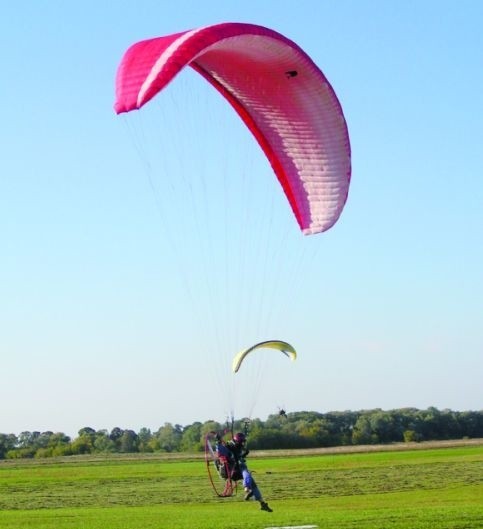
(273, 438)
(276, 420)
(145, 436)
(103, 442)
(115, 436)
(43, 440)
(211, 426)
(82, 445)
(340, 425)
(62, 450)
(192, 440)
(129, 441)
(28, 439)
(24, 439)
(7, 443)
(429, 424)
(362, 432)
(256, 428)
(410, 436)
(307, 433)
(116, 433)
(59, 438)
(86, 431)
(383, 427)
(20, 453)
(50, 444)
(168, 438)
(295, 430)
(406, 420)
(471, 423)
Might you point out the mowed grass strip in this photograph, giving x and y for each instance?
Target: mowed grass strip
(414, 510)
(434, 488)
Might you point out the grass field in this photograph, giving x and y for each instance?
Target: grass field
(417, 489)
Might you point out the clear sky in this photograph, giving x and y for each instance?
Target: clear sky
(121, 304)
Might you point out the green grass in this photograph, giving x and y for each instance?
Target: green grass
(437, 488)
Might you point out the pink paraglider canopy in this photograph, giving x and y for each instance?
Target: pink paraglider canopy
(278, 91)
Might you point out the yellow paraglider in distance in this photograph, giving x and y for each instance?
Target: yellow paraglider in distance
(284, 347)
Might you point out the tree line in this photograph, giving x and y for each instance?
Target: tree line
(305, 429)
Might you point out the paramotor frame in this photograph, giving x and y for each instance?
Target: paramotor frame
(219, 470)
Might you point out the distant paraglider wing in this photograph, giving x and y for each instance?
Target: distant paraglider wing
(284, 347)
(277, 90)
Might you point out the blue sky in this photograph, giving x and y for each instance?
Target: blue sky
(111, 313)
